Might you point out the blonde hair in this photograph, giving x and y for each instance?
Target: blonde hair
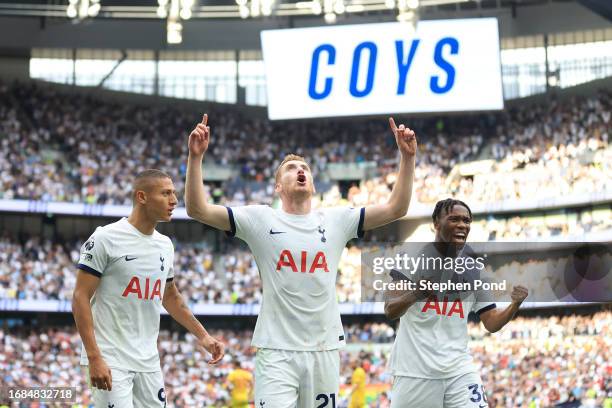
(287, 158)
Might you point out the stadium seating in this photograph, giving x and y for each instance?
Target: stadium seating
(531, 362)
(55, 149)
(44, 270)
(70, 147)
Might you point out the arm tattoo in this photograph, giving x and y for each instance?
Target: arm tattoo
(183, 305)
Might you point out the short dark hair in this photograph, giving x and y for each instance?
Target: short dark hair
(446, 206)
(151, 173)
(142, 180)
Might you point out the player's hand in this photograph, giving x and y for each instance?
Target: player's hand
(214, 347)
(519, 293)
(200, 137)
(405, 139)
(100, 374)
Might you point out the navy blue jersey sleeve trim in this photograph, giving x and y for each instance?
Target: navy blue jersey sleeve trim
(89, 270)
(361, 220)
(486, 308)
(232, 231)
(169, 280)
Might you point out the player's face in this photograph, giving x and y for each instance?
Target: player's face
(454, 226)
(295, 179)
(161, 199)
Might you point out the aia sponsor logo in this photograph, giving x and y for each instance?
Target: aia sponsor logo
(287, 260)
(144, 291)
(442, 308)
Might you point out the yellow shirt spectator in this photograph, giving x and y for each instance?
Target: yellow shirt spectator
(359, 382)
(241, 382)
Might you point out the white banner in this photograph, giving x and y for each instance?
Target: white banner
(366, 69)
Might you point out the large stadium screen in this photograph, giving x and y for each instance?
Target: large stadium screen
(367, 69)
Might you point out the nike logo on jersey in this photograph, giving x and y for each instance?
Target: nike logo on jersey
(276, 232)
(127, 258)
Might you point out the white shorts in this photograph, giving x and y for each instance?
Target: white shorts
(463, 391)
(131, 389)
(302, 379)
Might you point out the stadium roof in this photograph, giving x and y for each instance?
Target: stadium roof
(215, 25)
(464, 4)
(139, 9)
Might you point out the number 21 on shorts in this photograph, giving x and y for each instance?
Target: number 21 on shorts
(325, 400)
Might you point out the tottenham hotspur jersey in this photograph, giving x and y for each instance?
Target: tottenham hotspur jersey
(133, 269)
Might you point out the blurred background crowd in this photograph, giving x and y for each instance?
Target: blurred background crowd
(532, 362)
(76, 148)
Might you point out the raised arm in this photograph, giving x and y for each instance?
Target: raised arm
(196, 203)
(86, 285)
(397, 205)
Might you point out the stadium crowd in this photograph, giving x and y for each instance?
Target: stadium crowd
(548, 362)
(525, 229)
(45, 270)
(42, 269)
(532, 362)
(67, 146)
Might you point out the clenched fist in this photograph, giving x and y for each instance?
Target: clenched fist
(519, 293)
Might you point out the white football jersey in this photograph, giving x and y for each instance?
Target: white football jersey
(297, 257)
(432, 337)
(133, 269)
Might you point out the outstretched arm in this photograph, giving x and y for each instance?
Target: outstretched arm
(196, 202)
(494, 319)
(397, 205)
(174, 303)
